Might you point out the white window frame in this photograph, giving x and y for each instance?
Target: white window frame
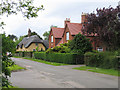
(67, 35)
(99, 49)
(52, 38)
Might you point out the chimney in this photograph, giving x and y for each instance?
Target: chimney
(29, 33)
(67, 20)
(83, 18)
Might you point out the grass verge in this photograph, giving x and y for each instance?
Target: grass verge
(16, 68)
(99, 70)
(12, 88)
(43, 61)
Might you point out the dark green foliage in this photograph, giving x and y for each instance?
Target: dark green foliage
(46, 35)
(105, 24)
(8, 45)
(24, 54)
(105, 60)
(67, 58)
(80, 44)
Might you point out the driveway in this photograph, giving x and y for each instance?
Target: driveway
(39, 75)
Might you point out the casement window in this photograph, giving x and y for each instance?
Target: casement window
(34, 49)
(100, 49)
(51, 38)
(67, 35)
(36, 44)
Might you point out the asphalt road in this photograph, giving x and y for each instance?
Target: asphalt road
(40, 75)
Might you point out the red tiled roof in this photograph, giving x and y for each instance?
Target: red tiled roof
(57, 32)
(74, 28)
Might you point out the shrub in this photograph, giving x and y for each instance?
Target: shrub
(80, 44)
(60, 49)
(105, 60)
(67, 58)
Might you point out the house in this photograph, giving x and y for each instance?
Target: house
(62, 35)
(32, 43)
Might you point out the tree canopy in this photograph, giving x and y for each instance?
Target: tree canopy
(105, 25)
(33, 33)
(9, 7)
(46, 35)
(26, 7)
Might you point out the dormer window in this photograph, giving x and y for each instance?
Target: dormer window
(51, 38)
(67, 35)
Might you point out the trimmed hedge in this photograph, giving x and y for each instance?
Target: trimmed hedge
(105, 60)
(24, 54)
(67, 58)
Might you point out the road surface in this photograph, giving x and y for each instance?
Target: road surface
(39, 75)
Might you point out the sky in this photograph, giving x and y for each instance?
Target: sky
(56, 11)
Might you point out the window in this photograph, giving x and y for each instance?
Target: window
(100, 49)
(36, 44)
(67, 35)
(34, 50)
(51, 38)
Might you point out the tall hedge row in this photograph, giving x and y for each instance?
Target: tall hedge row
(67, 58)
(24, 54)
(105, 60)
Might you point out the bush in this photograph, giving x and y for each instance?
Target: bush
(80, 44)
(67, 58)
(105, 60)
(60, 49)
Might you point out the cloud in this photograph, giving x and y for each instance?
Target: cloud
(56, 11)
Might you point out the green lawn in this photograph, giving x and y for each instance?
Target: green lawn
(12, 88)
(16, 68)
(99, 70)
(42, 61)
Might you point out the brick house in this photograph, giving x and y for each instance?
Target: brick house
(62, 35)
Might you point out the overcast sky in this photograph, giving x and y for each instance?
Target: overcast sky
(56, 11)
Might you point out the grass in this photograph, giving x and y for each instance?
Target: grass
(12, 88)
(99, 70)
(16, 68)
(43, 61)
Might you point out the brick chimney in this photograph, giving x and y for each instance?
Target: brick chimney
(83, 18)
(29, 33)
(67, 20)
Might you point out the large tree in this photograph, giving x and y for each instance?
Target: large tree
(46, 35)
(26, 7)
(105, 25)
(33, 33)
(9, 7)
(8, 45)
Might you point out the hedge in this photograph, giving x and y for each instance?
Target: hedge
(105, 60)
(67, 58)
(24, 54)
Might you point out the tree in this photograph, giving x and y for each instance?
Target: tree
(33, 33)
(105, 25)
(9, 7)
(46, 35)
(8, 45)
(80, 44)
(19, 40)
(12, 37)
